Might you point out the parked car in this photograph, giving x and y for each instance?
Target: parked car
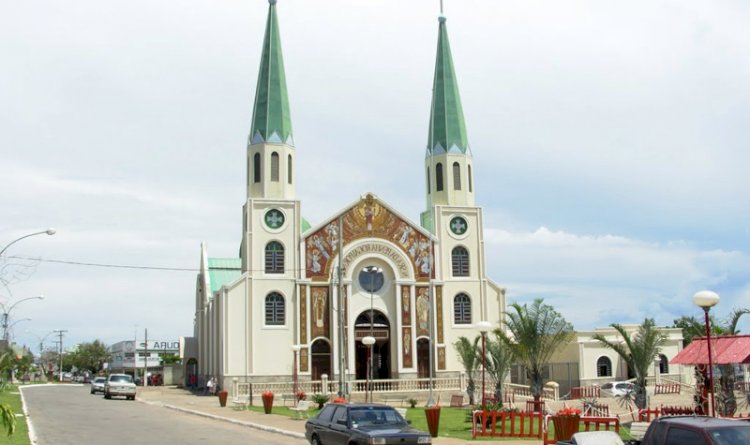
(594, 438)
(360, 424)
(97, 385)
(613, 389)
(696, 430)
(119, 385)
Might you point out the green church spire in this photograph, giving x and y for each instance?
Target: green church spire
(272, 121)
(447, 127)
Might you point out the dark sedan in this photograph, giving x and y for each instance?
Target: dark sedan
(362, 424)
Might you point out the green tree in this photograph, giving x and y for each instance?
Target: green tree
(638, 352)
(90, 356)
(470, 357)
(533, 335)
(498, 362)
(6, 412)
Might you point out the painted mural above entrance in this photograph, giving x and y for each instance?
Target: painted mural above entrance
(368, 218)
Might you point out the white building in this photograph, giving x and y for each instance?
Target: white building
(129, 356)
(365, 270)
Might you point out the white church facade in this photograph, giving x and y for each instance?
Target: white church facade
(366, 271)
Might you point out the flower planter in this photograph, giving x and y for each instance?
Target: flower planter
(433, 419)
(267, 402)
(223, 398)
(565, 426)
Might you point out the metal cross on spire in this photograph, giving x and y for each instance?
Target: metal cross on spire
(441, 7)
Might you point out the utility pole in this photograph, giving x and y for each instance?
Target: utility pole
(145, 357)
(60, 333)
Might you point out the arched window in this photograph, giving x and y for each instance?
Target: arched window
(289, 169)
(274, 309)
(604, 367)
(456, 176)
(439, 177)
(274, 167)
(256, 167)
(460, 260)
(462, 309)
(274, 257)
(469, 178)
(428, 181)
(663, 364)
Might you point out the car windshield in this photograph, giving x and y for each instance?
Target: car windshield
(375, 416)
(731, 435)
(121, 378)
(100, 380)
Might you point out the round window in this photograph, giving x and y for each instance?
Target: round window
(274, 218)
(458, 225)
(371, 278)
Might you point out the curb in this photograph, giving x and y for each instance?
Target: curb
(256, 426)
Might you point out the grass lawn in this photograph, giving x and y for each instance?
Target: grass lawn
(12, 398)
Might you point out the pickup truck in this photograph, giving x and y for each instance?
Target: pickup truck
(696, 430)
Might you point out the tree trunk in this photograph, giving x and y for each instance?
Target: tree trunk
(470, 391)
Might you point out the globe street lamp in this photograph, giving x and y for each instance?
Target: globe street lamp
(707, 299)
(7, 310)
(48, 232)
(295, 350)
(483, 327)
(368, 342)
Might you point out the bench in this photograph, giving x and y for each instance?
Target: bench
(241, 401)
(302, 408)
(386, 398)
(638, 430)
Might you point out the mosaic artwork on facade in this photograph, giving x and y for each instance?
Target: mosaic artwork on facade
(303, 362)
(441, 358)
(303, 315)
(439, 311)
(367, 219)
(423, 311)
(319, 311)
(405, 305)
(406, 341)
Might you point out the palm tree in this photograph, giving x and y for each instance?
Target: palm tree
(498, 361)
(638, 352)
(534, 333)
(7, 416)
(470, 358)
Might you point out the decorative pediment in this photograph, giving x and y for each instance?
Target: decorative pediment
(367, 218)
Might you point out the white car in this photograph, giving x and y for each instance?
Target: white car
(119, 385)
(613, 389)
(97, 385)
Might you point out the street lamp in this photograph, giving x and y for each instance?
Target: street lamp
(48, 232)
(368, 342)
(7, 310)
(484, 327)
(295, 350)
(707, 299)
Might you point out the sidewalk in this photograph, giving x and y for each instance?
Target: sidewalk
(208, 406)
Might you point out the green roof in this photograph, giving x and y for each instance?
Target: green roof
(447, 127)
(272, 121)
(223, 271)
(305, 225)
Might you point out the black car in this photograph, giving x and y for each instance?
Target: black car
(362, 424)
(696, 430)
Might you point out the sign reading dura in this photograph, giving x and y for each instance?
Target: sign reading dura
(383, 249)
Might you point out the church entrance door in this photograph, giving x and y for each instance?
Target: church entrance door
(423, 358)
(320, 359)
(381, 350)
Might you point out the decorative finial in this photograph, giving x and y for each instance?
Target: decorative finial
(271, 2)
(442, 19)
(441, 7)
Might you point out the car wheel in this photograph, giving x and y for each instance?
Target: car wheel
(107, 395)
(92, 391)
(315, 441)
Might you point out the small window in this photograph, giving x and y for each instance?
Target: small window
(462, 309)
(460, 261)
(439, 177)
(274, 167)
(663, 364)
(256, 167)
(274, 309)
(327, 413)
(469, 178)
(604, 367)
(340, 414)
(428, 181)
(289, 169)
(456, 176)
(274, 257)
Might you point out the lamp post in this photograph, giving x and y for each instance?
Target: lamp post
(707, 299)
(7, 310)
(295, 350)
(368, 342)
(41, 342)
(48, 232)
(484, 327)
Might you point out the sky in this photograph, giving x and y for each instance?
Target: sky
(610, 144)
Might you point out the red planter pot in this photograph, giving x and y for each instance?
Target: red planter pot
(223, 398)
(433, 419)
(565, 426)
(267, 403)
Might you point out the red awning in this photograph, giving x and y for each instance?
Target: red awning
(726, 350)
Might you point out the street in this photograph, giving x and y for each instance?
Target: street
(69, 414)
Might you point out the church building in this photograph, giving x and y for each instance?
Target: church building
(307, 296)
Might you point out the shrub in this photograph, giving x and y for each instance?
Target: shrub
(320, 399)
(412, 402)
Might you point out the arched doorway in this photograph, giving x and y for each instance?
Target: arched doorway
(191, 373)
(320, 359)
(423, 358)
(379, 327)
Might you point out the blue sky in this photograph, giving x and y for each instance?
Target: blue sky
(610, 145)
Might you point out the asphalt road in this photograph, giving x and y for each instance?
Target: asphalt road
(68, 414)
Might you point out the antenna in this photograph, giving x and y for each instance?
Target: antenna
(441, 7)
